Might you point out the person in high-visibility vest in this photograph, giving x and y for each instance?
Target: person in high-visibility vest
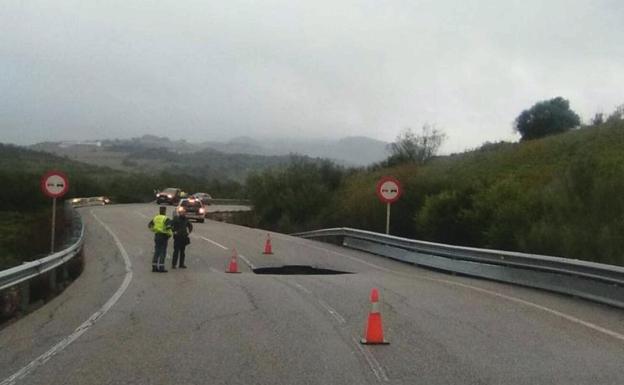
(161, 227)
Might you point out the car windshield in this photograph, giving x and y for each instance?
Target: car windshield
(192, 204)
(170, 191)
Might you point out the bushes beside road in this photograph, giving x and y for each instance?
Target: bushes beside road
(25, 212)
(561, 195)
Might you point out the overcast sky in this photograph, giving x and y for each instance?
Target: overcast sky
(216, 70)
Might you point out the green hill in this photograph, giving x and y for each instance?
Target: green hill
(562, 195)
(25, 212)
(153, 155)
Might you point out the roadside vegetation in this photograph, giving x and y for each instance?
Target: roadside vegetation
(558, 191)
(25, 213)
(560, 194)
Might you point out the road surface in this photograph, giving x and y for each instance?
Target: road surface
(119, 323)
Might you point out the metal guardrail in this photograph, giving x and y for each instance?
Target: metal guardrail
(594, 281)
(28, 270)
(234, 202)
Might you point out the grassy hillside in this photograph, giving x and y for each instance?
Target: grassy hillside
(207, 163)
(25, 212)
(152, 155)
(561, 195)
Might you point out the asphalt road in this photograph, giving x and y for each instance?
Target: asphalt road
(203, 326)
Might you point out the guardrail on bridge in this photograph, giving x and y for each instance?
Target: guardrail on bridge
(593, 281)
(15, 282)
(233, 202)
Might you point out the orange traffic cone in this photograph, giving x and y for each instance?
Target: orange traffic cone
(233, 267)
(374, 330)
(268, 249)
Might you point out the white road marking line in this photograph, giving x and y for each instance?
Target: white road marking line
(337, 316)
(45, 357)
(554, 312)
(305, 290)
(213, 242)
(247, 262)
(374, 365)
(141, 214)
(332, 311)
(557, 313)
(251, 265)
(214, 270)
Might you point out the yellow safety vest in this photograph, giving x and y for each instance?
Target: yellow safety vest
(160, 225)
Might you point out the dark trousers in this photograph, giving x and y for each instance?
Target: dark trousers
(160, 251)
(179, 245)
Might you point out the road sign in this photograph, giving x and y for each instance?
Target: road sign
(54, 184)
(389, 189)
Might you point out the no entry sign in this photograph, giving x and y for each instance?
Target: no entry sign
(54, 184)
(389, 189)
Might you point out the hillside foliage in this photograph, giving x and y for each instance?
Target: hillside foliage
(560, 195)
(548, 117)
(25, 212)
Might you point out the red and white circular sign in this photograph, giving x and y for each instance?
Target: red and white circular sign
(389, 189)
(54, 184)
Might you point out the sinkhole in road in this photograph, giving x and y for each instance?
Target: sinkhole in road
(297, 270)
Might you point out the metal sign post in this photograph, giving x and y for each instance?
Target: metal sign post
(53, 224)
(387, 218)
(388, 191)
(54, 184)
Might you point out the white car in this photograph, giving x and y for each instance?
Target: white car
(192, 208)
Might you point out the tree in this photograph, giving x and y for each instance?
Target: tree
(617, 115)
(411, 147)
(598, 119)
(545, 118)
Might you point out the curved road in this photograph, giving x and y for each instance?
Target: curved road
(121, 324)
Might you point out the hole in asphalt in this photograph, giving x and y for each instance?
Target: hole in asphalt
(297, 270)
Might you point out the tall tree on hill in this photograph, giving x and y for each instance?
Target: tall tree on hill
(545, 118)
(617, 115)
(412, 147)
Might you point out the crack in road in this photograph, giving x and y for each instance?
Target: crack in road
(201, 324)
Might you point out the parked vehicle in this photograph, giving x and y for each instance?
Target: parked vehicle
(205, 198)
(169, 195)
(193, 208)
(91, 201)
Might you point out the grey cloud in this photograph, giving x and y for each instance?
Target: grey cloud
(78, 69)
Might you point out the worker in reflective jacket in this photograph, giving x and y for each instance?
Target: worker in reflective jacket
(161, 227)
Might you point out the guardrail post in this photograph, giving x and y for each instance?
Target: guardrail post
(24, 292)
(64, 273)
(52, 279)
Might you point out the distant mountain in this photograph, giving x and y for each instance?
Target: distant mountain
(233, 159)
(358, 150)
(350, 151)
(241, 145)
(153, 156)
